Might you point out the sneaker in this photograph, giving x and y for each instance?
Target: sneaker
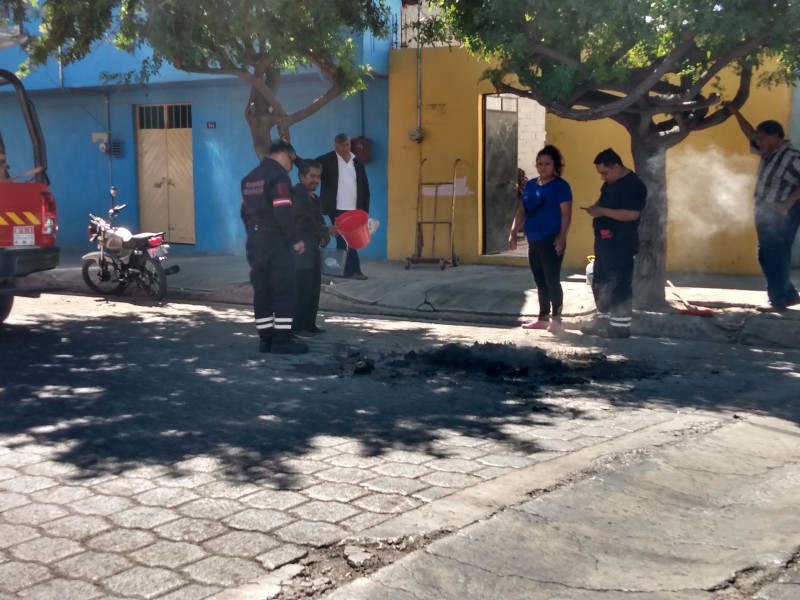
(289, 346)
(538, 324)
(768, 308)
(359, 276)
(555, 326)
(302, 333)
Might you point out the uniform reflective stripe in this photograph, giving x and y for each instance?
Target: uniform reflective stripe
(601, 315)
(621, 321)
(32, 218)
(283, 322)
(282, 202)
(265, 323)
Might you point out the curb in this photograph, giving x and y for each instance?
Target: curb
(733, 324)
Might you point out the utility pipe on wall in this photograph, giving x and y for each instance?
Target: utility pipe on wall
(416, 134)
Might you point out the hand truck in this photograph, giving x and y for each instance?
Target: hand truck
(434, 223)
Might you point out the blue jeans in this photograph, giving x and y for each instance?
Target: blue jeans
(776, 233)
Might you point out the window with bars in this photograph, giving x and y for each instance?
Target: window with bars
(12, 15)
(502, 102)
(169, 116)
(6, 11)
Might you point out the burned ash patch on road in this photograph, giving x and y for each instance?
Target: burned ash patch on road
(487, 361)
(532, 364)
(493, 360)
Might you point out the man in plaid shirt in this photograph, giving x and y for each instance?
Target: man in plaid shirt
(777, 210)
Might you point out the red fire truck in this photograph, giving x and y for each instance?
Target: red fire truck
(28, 219)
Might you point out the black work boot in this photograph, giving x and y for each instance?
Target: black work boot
(265, 341)
(618, 332)
(284, 343)
(598, 327)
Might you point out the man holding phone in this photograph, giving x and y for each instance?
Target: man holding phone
(616, 241)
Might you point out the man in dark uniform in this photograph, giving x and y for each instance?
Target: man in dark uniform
(272, 239)
(616, 242)
(344, 187)
(314, 233)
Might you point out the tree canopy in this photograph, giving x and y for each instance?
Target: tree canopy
(257, 41)
(653, 66)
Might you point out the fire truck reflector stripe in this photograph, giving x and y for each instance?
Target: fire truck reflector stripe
(32, 218)
(15, 218)
(12, 218)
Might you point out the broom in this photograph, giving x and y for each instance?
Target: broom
(690, 310)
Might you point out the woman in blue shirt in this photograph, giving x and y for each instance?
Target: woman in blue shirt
(545, 211)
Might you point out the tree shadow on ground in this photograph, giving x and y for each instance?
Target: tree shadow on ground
(185, 390)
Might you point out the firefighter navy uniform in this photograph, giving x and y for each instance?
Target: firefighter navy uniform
(616, 243)
(271, 234)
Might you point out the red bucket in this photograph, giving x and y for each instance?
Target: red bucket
(353, 226)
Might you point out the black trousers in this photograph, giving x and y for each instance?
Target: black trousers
(309, 287)
(612, 283)
(545, 265)
(273, 277)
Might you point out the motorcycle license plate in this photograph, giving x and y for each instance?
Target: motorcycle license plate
(157, 252)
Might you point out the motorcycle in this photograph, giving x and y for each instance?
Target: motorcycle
(123, 258)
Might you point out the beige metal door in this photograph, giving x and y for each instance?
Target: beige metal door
(166, 185)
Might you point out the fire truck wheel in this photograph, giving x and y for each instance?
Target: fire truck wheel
(6, 302)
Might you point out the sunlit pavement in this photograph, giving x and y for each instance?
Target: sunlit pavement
(146, 451)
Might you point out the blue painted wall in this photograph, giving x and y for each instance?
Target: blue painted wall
(73, 103)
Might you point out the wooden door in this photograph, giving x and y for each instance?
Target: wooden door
(166, 183)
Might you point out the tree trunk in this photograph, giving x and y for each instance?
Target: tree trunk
(649, 275)
(264, 111)
(261, 119)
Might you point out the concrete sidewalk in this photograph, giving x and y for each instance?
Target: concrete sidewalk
(705, 519)
(484, 294)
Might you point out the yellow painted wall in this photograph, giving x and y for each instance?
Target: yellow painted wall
(450, 116)
(710, 175)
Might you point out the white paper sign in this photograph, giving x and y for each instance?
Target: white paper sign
(23, 236)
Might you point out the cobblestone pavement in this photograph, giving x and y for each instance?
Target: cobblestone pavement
(149, 452)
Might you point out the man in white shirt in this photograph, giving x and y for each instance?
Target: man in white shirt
(344, 187)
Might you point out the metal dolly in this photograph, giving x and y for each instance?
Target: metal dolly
(419, 242)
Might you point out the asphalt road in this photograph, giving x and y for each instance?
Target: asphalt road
(151, 451)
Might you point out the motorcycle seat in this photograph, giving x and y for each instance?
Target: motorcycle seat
(140, 239)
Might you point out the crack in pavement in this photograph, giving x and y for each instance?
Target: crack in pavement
(751, 579)
(517, 576)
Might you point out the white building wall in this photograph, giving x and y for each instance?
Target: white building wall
(531, 135)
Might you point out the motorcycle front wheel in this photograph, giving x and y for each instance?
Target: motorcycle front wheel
(105, 282)
(154, 280)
